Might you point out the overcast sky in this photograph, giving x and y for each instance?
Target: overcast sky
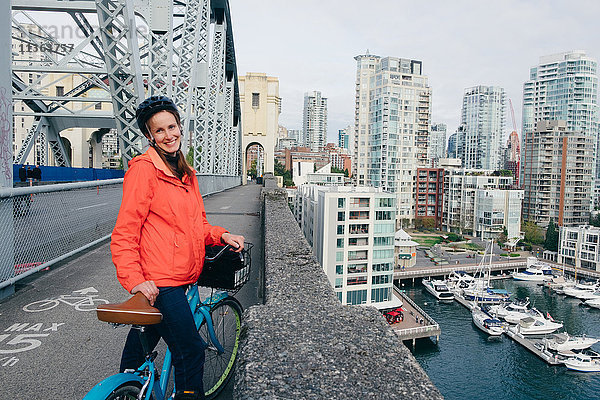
(310, 45)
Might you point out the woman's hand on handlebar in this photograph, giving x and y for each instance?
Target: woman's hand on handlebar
(235, 241)
(148, 289)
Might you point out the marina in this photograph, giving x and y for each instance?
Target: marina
(465, 354)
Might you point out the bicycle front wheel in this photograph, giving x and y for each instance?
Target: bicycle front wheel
(226, 317)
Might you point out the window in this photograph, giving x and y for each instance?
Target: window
(255, 100)
(383, 241)
(339, 256)
(339, 282)
(98, 106)
(356, 229)
(341, 216)
(380, 294)
(340, 243)
(339, 269)
(379, 254)
(60, 91)
(382, 267)
(358, 241)
(356, 297)
(381, 279)
(384, 215)
(357, 255)
(341, 203)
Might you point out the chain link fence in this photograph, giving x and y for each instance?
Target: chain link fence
(45, 224)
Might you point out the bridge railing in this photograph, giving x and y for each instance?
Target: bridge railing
(46, 224)
(303, 343)
(42, 225)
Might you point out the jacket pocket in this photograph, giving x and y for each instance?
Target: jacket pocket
(183, 265)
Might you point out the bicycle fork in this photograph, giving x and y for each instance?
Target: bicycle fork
(211, 330)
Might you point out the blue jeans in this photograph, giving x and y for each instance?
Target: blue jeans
(179, 332)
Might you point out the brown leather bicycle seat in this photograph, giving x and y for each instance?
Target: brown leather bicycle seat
(135, 311)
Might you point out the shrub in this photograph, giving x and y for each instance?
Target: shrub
(503, 254)
(515, 255)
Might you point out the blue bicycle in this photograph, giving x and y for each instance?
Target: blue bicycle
(218, 319)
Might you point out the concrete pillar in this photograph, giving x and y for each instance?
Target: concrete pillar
(7, 258)
(96, 152)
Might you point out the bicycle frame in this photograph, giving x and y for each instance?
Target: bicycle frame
(146, 373)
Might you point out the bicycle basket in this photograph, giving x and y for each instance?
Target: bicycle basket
(229, 272)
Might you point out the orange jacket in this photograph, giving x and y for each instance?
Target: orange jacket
(161, 229)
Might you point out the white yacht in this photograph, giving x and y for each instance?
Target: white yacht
(562, 342)
(438, 289)
(583, 363)
(485, 295)
(512, 312)
(587, 295)
(484, 321)
(593, 303)
(535, 273)
(459, 280)
(581, 288)
(537, 325)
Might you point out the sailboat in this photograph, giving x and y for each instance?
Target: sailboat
(480, 291)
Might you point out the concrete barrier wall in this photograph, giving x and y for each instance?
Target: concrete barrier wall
(303, 344)
(210, 184)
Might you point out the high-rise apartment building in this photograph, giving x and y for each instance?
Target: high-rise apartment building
(512, 156)
(437, 142)
(557, 174)
(314, 122)
(392, 124)
(346, 139)
(451, 150)
(564, 87)
(351, 230)
(483, 121)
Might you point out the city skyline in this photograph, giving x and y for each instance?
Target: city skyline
(459, 44)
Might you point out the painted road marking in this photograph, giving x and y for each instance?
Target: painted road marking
(225, 207)
(93, 205)
(11, 343)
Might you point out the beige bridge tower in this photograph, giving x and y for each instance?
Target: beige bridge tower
(261, 106)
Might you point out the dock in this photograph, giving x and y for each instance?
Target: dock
(535, 345)
(417, 323)
(444, 271)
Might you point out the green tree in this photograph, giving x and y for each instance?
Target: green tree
(503, 237)
(551, 242)
(595, 220)
(281, 171)
(533, 233)
(252, 170)
(340, 171)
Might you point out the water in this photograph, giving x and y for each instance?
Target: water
(466, 364)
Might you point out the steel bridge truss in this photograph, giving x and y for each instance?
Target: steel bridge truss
(124, 51)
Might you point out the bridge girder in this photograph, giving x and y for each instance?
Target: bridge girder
(135, 49)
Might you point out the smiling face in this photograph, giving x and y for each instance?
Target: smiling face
(164, 128)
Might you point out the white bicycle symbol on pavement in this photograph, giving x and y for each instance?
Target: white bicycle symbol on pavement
(81, 300)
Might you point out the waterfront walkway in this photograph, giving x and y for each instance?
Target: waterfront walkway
(416, 323)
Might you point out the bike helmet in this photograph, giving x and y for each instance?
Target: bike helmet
(151, 106)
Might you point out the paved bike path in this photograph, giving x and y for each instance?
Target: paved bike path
(52, 347)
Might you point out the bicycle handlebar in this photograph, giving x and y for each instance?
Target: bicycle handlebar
(247, 246)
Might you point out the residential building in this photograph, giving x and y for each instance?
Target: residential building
(483, 122)
(392, 124)
(345, 140)
(295, 134)
(429, 198)
(314, 121)
(557, 174)
(495, 210)
(579, 246)
(437, 142)
(351, 230)
(460, 196)
(451, 151)
(512, 156)
(261, 106)
(564, 87)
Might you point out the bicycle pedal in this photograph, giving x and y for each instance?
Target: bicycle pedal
(188, 395)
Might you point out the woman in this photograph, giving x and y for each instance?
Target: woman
(158, 242)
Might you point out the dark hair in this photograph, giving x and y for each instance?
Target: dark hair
(153, 105)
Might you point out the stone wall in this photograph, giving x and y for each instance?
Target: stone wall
(303, 344)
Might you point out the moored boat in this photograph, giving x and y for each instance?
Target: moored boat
(535, 273)
(564, 342)
(438, 289)
(583, 363)
(538, 325)
(487, 323)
